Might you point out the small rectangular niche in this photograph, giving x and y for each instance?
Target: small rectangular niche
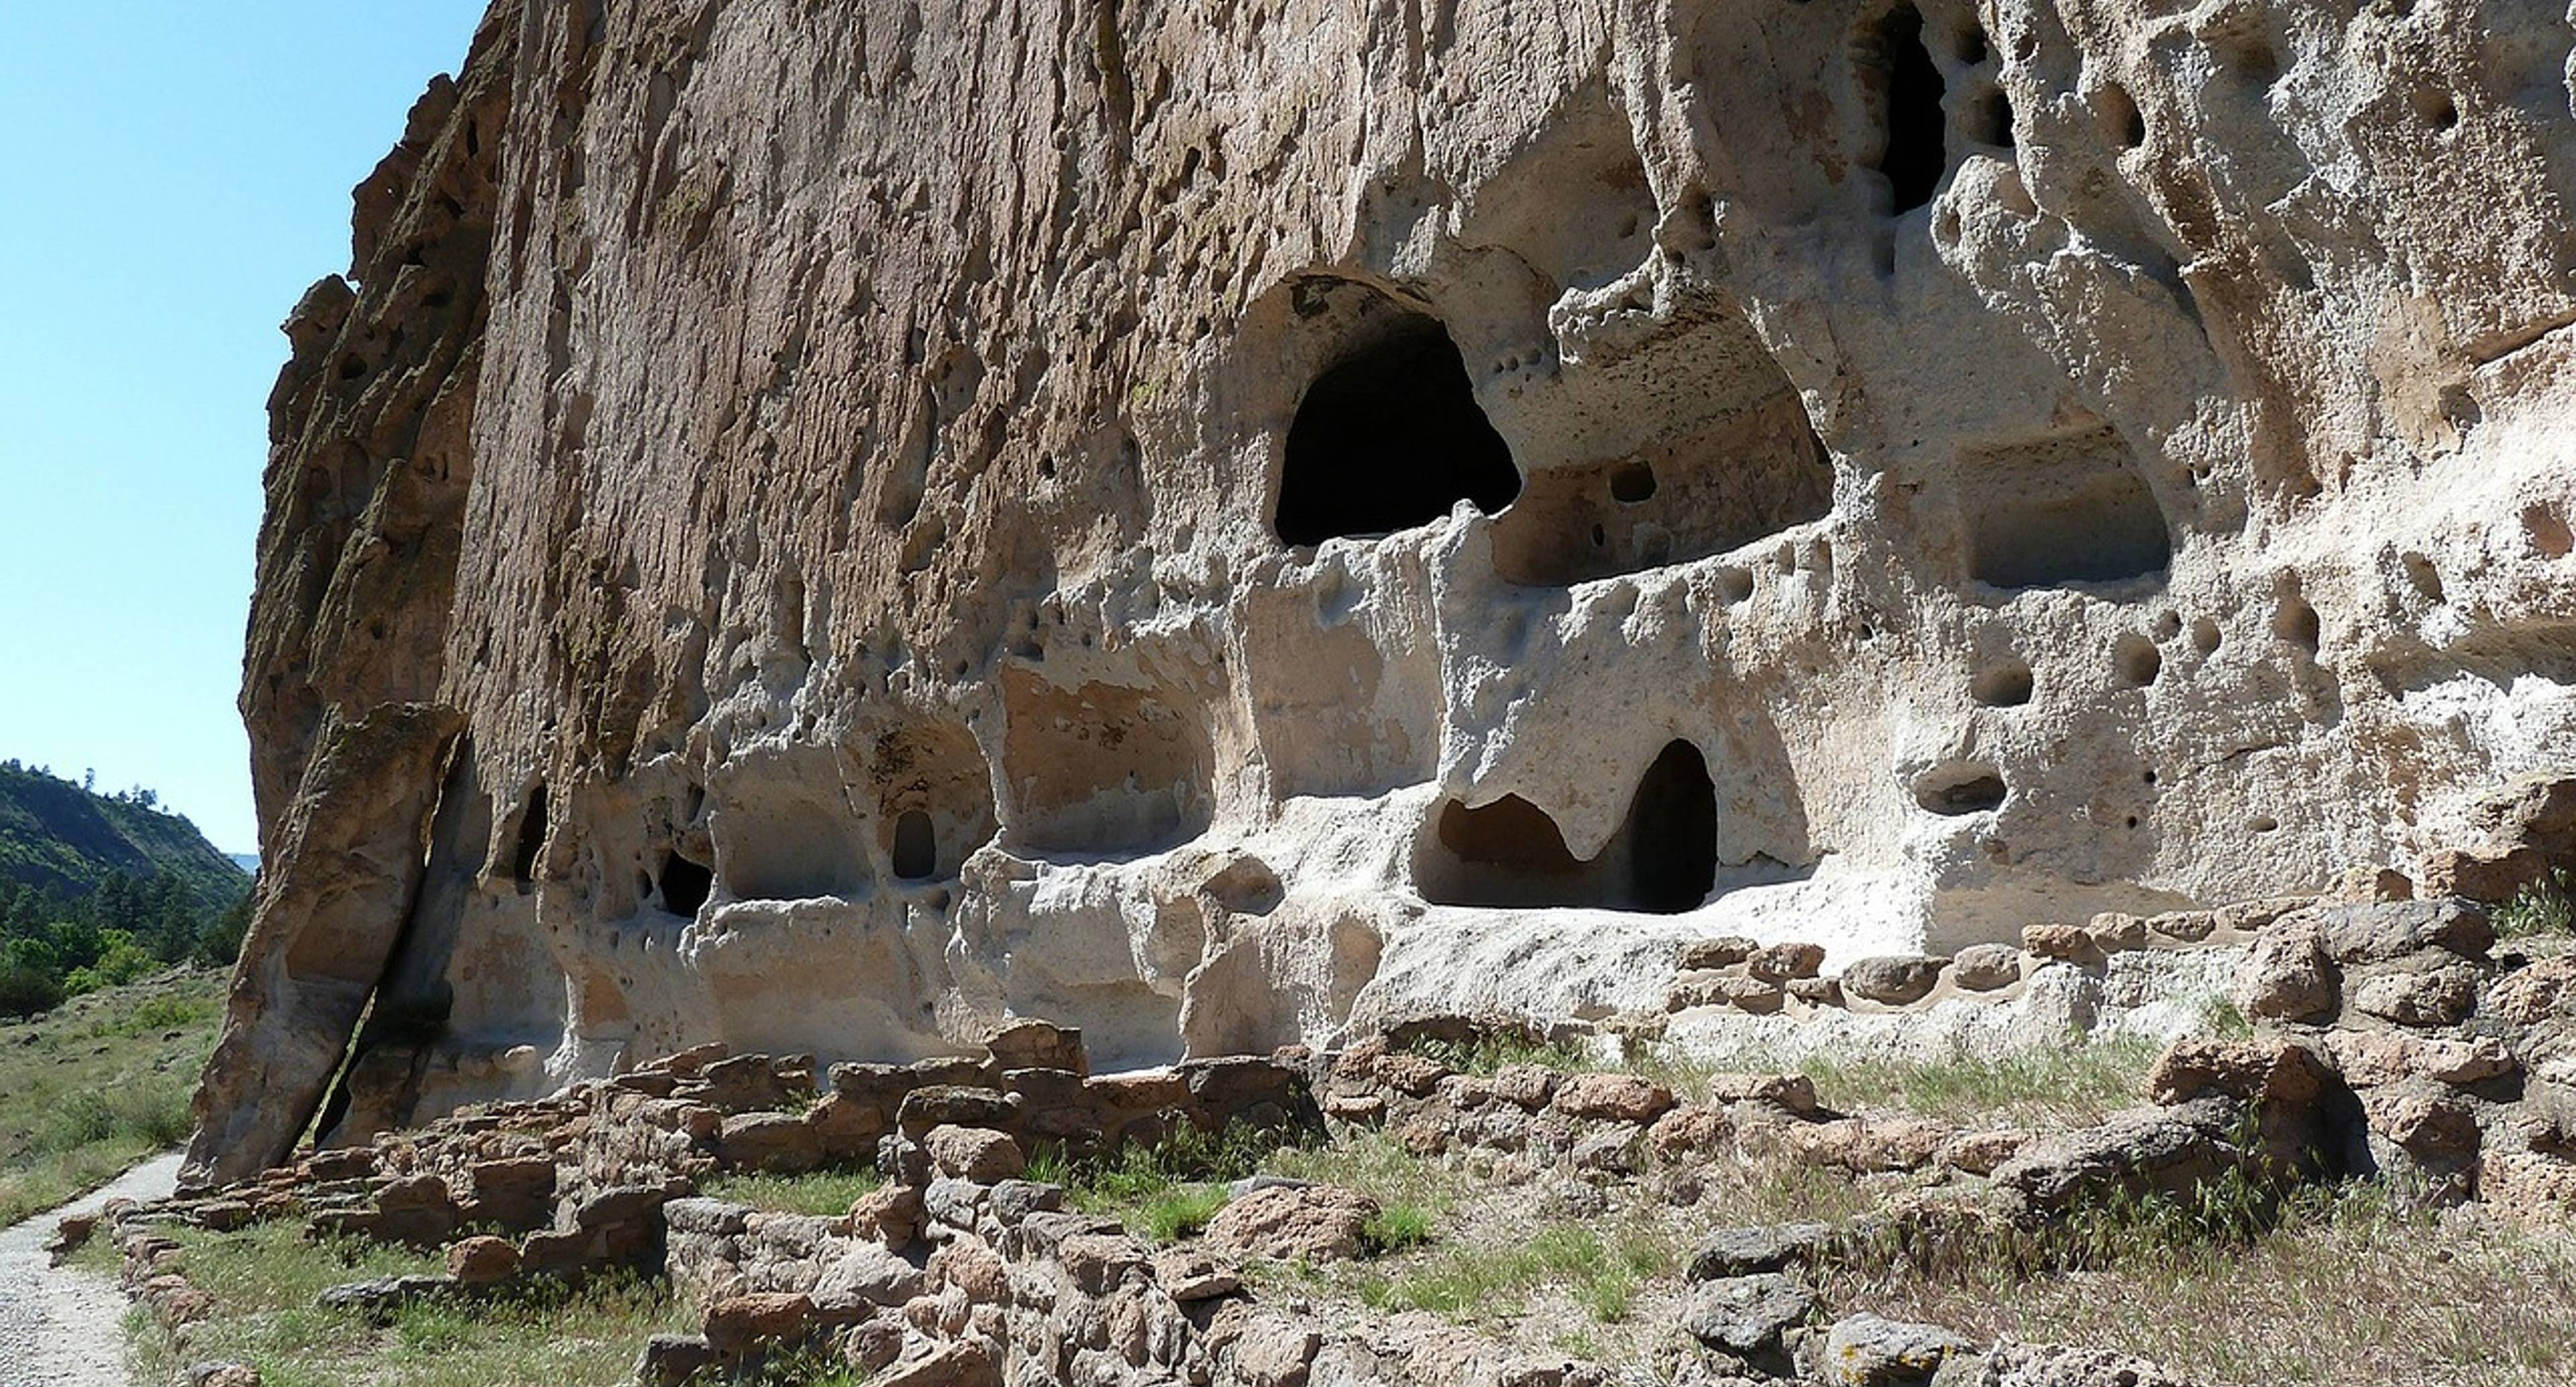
(2073, 509)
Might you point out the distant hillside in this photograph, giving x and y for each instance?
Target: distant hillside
(63, 840)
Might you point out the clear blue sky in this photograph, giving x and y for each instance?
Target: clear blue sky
(173, 173)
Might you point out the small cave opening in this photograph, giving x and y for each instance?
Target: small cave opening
(2004, 685)
(685, 884)
(1960, 787)
(916, 846)
(1389, 438)
(1916, 152)
(2060, 511)
(531, 841)
(1633, 484)
(1510, 854)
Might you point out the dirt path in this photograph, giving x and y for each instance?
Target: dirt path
(60, 1327)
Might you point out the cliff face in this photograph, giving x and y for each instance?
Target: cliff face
(824, 525)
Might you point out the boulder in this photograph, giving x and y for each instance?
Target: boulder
(482, 1261)
(1782, 963)
(1708, 955)
(859, 1281)
(736, 1323)
(1986, 967)
(1746, 1315)
(2286, 977)
(2429, 997)
(1868, 1351)
(1893, 979)
(2381, 931)
(1314, 1224)
(772, 1141)
(1612, 1098)
(1734, 1252)
(975, 1153)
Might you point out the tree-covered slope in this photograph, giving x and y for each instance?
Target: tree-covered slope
(64, 840)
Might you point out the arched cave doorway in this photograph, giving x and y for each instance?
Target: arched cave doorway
(1391, 437)
(1672, 827)
(916, 846)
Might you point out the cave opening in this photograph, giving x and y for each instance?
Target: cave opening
(1511, 854)
(1673, 828)
(916, 846)
(1389, 438)
(1916, 152)
(685, 884)
(531, 843)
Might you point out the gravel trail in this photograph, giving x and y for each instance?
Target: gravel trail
(60, 1327)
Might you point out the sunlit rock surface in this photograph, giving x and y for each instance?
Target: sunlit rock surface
(1209, 521)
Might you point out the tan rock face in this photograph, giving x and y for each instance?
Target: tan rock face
(1210, 526)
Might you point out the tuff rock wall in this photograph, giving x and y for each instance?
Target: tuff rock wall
(821, 526)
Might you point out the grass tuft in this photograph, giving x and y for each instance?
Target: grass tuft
(2547, 906)
(828, 1193)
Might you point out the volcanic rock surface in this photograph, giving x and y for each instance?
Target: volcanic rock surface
(821, 527)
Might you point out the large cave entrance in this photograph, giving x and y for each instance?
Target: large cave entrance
(1510, 853)
(1389, 438)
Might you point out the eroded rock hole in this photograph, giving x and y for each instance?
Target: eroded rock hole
(2548, 530)
(2296, 622)
(2122, 123)
(685, 884)
(2069, 510)
(916, 847)
(1390, 438)
(1633, 484)
(2139, 661)
(1992, 119)
(1510, 854)
(2005, 685)
(1916, 153)
(532, 841)
(1960, 787)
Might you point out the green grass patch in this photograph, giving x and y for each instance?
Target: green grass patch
(1397, 1227)
(2074, 1084)
(2545, 907)
(1489, 1053)
(1180, 1212)
(1167, 1191)
(98, 1084)
(265, 1280)
(829, 1193)
(1464, 1283)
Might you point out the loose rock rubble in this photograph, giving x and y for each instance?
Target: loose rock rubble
(962, 1270)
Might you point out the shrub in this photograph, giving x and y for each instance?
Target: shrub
(2547, 906)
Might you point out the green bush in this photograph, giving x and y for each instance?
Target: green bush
(2547, 906)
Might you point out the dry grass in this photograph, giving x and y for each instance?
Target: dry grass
(2347, 1289)
(264, 1281)
(2074, 1085)
(100, 1083)
(828, 1193)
